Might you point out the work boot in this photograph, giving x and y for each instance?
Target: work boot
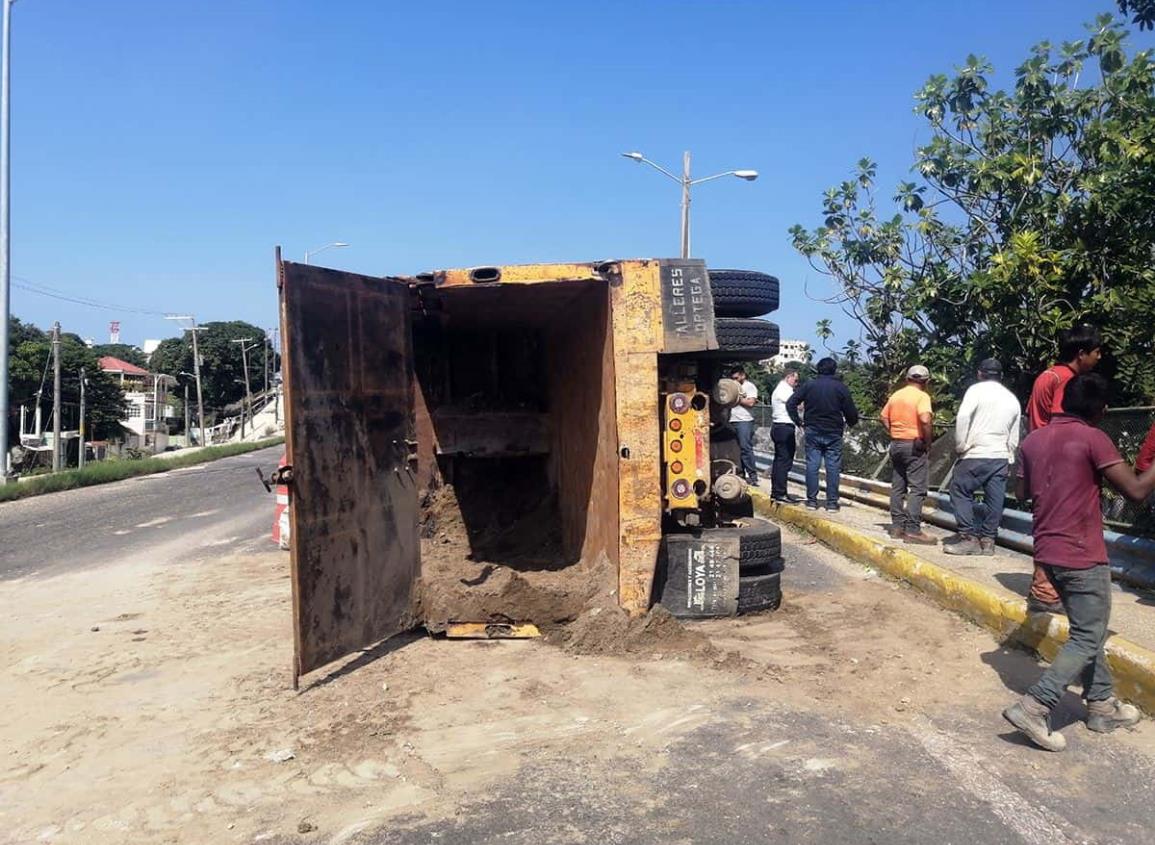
(986, 545)
(1030, 716)
(896, 532)
(966, 546)
(920, 538)
(954, 538)
(1110, 713)
(1035, 605)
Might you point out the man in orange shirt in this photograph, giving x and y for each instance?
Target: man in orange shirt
(1080, 349)
(909, 419)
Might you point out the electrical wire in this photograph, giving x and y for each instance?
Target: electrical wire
(56, 293)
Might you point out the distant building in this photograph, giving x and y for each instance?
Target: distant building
(149, 347)
(790, 352)
(148, 408)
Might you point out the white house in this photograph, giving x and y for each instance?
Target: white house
(148, 404)
(790, 352)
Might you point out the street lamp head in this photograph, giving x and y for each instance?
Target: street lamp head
(342, 243)
(636, 156)
(748, 175)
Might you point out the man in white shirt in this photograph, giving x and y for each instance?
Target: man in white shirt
(986, 436)
(782, 432)
(743, 422)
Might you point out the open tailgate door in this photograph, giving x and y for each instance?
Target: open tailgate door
(348, 374)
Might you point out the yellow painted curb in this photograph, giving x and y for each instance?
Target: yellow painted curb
(1132, 665)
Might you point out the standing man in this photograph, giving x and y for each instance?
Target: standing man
(986, 436)
(829, 409)
(1062, 468)
(782, 432)
(1080, 349)
(743, 422)
(909, 418)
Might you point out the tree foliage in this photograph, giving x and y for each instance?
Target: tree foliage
(123, 351)
(30, 374)
(222, 371)
(1033, 209)
(1142, 12)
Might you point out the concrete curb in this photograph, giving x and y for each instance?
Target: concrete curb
(1132, 665)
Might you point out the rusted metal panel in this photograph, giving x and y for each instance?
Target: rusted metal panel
(513, 274)
(491, 434)
(638, 337)
(350, 430)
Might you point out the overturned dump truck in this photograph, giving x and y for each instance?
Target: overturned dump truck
(504, 447)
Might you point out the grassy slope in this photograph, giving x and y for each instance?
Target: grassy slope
(106, 471)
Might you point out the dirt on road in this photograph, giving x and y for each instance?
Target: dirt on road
(149, 702)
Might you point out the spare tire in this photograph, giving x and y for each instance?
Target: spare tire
(745, 339)
(760, 592)
(759, 545)
(743, 293)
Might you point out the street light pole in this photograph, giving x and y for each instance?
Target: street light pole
(248, 392)
(196, 368)
(687, 182)
(5, 229)
(83, 382)
(318, 250)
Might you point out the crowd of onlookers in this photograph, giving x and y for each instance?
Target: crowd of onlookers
(1058, 468)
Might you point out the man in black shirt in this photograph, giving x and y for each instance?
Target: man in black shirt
(828, 408)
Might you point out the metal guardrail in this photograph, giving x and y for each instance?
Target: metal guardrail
(865, 454)
(1131, 558)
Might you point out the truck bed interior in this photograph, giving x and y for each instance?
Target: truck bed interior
(517, 450)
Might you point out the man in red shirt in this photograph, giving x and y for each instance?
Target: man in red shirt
(1146, 455)
(1062, 468)
(1080, 349)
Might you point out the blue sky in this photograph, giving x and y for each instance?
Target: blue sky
(161, 148)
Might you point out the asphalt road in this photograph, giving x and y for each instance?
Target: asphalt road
(172, 515)
(790, 774)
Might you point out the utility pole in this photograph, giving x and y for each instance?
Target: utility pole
(83, 382)
(248, 393)
(265, 344)
(276, 388)
(187, 439)
(196, 369)
(5, 230)
(56, 397)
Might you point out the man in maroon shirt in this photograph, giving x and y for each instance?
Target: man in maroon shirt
(1062, 468)
(1080, 349)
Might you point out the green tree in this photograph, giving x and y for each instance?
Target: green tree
(1033, 209)
(123, 351)
(1142, 12)
(30, 374)
(222, 371)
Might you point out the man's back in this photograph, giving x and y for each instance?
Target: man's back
(902, 410)
(827, 403)
(988, 421)
(1062, 471)
(1047, 395)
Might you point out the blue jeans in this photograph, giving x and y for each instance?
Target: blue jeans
(1086, 596)
(970, 476)
(823, 447)
(745, 432)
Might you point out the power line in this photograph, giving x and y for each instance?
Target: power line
(56, 293)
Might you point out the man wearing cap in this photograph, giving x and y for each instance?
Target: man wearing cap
(908, 417)
(986, 436)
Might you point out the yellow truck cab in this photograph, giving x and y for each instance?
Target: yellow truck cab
(507, 445)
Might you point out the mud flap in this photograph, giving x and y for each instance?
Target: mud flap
(698, 576)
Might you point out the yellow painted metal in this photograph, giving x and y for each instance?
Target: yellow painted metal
(491, 631)
(637, 327)
(519, 274)
(683, 443)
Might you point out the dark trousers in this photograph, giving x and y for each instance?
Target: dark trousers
(908, 484)
(784, 444)
(823, 447)
(970, 476)
(745, 432)
(1086, 596)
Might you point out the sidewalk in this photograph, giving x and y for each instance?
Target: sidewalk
(989, 589)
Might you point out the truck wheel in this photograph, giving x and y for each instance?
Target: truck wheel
(759, 545)
(760, 592)
(745, 339)
(743, 293)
